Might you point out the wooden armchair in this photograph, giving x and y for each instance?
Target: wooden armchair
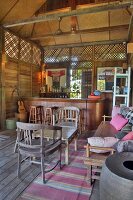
(38, 150)
(67, 116)
(106, 118)
(94, 161)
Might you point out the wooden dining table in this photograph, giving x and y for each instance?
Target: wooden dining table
(68, 135)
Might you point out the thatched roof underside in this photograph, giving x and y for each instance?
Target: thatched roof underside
(105, 20)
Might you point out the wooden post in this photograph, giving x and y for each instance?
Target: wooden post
(3, 64)
(18, 75)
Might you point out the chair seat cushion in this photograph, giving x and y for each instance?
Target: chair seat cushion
(102, 142)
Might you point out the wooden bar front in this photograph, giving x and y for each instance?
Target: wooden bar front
(92, 110)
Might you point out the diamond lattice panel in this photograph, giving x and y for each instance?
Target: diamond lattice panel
(25, 52)
(36, 55)
(11, 45)
(63, 55)
(0, 43)
(56, 55)
(110, 52)
(82, 53)
(50, 55)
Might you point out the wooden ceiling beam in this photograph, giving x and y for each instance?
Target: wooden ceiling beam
(104, 42)
(55, 16)
(94, 30)
(130, 29)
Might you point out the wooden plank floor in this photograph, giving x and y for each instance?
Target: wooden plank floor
(10, 186)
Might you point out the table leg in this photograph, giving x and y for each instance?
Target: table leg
(75, 143)
(67, 153)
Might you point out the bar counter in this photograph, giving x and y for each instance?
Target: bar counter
(92, 110)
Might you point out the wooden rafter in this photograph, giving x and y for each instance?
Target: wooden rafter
(130, 30)
(33, 28)
(102, 29)
(105, 42)
(81, 11)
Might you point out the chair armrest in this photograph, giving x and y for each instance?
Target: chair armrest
(106, 116)
(89, 147)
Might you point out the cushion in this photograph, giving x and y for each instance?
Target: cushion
(120, 134)
(126, 146)
(118, 121)
(124, 110)
(129, 116)
(129, 136)
(102, 142)
(127, 128)
(115, 111)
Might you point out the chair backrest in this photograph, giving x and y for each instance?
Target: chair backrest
(69, 114)
(26, 134)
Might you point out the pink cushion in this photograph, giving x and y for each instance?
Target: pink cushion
(115, 110)
(102, 142)
(118, 121)
(129, 136)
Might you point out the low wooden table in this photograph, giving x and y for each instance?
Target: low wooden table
(68, 135)
(94, 161)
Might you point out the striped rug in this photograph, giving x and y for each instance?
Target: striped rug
(70, 183)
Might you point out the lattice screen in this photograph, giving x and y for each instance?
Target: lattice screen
(83, 57)
(0, 43)
(36, 55)
(75, 55)
(56, 55)
(110, 52)
(25, 51)
(11, 45)
(83, 53)
(29, 53)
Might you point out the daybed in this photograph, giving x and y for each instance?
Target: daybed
(107, 134)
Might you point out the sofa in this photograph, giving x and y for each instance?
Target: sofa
(121, 121)
(106, 140)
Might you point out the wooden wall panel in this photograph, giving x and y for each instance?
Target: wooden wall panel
(20, 78)
(36, 80)
(11, 82)
(25, 69)
(25, 85)
(25, 80)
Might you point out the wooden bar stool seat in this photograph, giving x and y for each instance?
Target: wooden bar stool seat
(36, 114)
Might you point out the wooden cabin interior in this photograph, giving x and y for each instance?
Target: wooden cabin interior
(62, 52)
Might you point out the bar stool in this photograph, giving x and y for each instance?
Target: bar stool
(36, 114)
(48, 116)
